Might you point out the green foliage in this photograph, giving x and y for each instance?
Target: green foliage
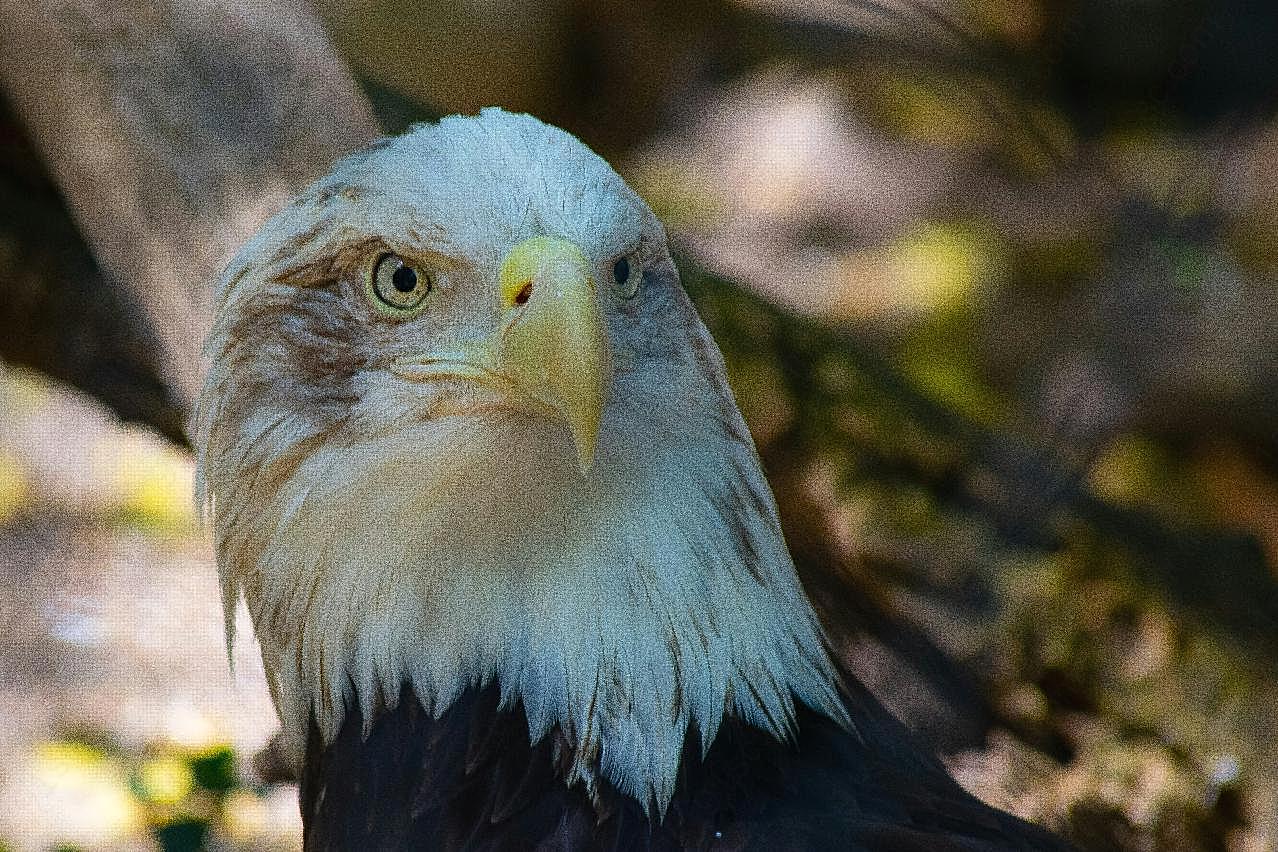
(215, 770)
(183, 835)
(1110, 639)
(183, 795)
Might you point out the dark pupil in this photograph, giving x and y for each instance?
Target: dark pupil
(621, 270)
(404, 279)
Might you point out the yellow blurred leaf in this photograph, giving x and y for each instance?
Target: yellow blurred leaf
(933, 112)
(153, 485)
(1019, 21)
(83, 793)
(166, 780)
(955, 386)
(57, 760)
(13, 486)
(22, 391)
(1125, 472)
(931, 269)
(684, 199)
(938, 264)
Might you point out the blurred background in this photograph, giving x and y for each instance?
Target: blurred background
(997, 285)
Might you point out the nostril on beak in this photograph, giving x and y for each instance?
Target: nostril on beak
(524, 292)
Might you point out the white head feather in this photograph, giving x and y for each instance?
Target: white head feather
(383, 532)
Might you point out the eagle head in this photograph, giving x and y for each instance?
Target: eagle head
(462, 425)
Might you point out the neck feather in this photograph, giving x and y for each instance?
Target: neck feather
(621, 608)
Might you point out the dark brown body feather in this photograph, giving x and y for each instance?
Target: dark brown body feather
(471, 780)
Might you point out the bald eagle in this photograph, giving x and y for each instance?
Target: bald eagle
(516, 574)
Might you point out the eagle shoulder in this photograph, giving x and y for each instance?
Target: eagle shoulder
(472, 779)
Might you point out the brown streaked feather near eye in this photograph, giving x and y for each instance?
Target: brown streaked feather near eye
(325, 258)
(293, 246)
(345, 191)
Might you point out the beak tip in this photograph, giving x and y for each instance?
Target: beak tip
(585, 452)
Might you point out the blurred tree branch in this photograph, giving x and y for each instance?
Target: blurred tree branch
(59, 313)
(172, 130)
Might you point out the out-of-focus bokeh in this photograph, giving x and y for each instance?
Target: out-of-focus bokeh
(997, 285)
(123, 719)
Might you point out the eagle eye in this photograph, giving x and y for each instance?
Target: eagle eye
(396, 286)
(625, 276)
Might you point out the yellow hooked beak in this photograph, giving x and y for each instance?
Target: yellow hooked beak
(554, 344)
(551, 349)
